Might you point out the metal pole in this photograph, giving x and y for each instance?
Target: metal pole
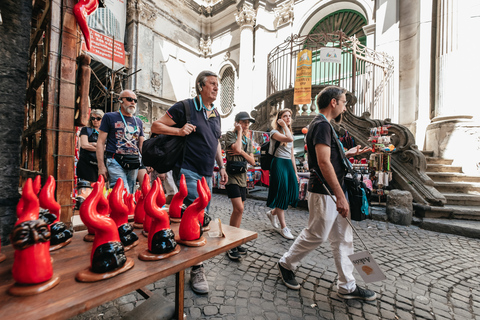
(113, 75)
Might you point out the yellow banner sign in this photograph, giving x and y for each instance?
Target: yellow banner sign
(303, 78)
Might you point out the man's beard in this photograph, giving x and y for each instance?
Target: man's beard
(130, 110)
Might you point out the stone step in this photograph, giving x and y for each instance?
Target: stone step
(434, 160)
(443, 168)
(428, 153)
(460, 199)
(465, 212)
(452, 177)
(458, 187)
(454, 212)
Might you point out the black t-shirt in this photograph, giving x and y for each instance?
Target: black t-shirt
(201, 145)
(320, 132)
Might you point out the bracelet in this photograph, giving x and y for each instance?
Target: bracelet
(220, 168)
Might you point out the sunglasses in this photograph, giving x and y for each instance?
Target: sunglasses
(129, 99)
(95, 118)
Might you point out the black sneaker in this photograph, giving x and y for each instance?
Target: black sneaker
(359, 293)
(288, 277)
(242, 250)
(233, 254)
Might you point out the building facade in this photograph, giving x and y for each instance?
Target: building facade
(172, 41)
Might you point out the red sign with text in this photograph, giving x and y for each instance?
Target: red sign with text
(102, 47)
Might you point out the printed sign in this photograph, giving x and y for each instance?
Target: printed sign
(303, 78)
(331, 55)
(107, 24)
(367, 267)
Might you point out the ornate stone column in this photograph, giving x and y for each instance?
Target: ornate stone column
(455, 130)
(450, 65)
(246, 18)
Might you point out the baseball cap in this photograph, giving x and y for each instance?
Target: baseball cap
(244, 116)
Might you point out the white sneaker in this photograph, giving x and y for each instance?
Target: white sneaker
(285, 232)
(273, 219)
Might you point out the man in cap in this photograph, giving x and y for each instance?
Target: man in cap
(239, 152)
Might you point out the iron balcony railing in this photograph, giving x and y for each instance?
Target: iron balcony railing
(364, 72)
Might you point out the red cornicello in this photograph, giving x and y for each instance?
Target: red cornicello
(119, 212)
(93, 213)
(154, 202)
(190, 226)
(175, 209)
(32, 264)
(140, 197)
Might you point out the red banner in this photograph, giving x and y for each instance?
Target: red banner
(102, 47)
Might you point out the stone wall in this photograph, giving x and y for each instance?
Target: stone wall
(14, 43)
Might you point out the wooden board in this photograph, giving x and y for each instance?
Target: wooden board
(70, 297)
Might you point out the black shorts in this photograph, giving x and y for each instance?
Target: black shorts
(234, 191)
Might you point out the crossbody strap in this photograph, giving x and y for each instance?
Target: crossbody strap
(186, 106)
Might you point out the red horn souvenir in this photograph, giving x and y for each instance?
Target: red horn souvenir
(30, 238)
(175, 208)
(140, 197)
(203, 217)
(161, 239)
(108, 257)
(61, 235)
(81, 10)
(119, 214)
(190, 229)
(147, 221)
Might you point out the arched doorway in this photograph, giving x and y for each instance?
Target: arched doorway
(351, 22)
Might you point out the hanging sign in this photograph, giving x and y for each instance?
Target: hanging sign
(367, 267)
(331, 55)
(303, 78)
(107, 28)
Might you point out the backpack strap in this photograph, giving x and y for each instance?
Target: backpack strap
(186, 106)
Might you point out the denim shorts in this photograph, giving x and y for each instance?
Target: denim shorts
(116, 171)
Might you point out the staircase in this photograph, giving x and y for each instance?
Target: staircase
(461, 191)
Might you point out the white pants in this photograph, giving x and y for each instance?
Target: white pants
(325, 223)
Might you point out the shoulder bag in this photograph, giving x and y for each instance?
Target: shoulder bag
(162, 152)
(357, 191)
(237, 167)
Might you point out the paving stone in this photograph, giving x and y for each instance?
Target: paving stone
(421, 276)
(210, 310)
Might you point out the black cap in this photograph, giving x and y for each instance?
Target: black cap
(244, 116)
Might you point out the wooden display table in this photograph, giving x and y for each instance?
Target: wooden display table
(70, 297)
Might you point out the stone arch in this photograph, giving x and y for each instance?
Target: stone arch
(228, 82)
(311, 18)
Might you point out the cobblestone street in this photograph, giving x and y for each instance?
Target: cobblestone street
(429, 276)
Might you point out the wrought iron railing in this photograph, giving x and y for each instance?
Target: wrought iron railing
(365, 73)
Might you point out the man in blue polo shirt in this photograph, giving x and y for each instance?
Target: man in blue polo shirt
(201, 150)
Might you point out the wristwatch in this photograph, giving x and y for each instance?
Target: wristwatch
(221, 167)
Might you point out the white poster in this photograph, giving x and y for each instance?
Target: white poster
(107, 29)
(367, 267)
(331, 55)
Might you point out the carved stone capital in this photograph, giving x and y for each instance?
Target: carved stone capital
(284, 14)
(156, 81)
(146, 11)
(206, 46)
(246, 17)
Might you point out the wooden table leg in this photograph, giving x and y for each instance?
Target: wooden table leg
(179, 293)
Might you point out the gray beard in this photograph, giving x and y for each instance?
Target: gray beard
(127, 110)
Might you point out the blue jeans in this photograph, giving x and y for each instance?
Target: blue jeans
(116, 171)
(191, 178)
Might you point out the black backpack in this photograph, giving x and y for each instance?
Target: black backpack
(163, 152)
(265, 157)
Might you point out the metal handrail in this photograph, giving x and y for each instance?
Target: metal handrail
(366, 73)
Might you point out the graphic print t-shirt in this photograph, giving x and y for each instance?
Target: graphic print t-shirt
(120, 140)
